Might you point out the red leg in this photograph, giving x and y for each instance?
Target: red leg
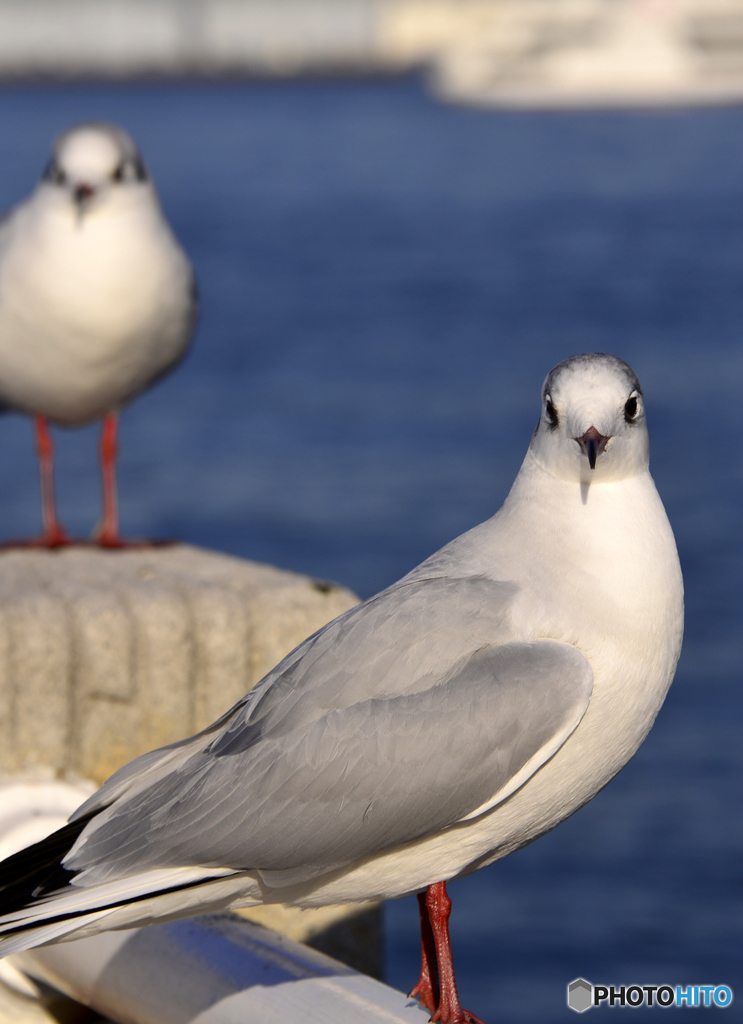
(54, 536)
(107, 534)
(427, 989)
(449, 1010)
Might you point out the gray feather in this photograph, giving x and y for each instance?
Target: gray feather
(395, 721)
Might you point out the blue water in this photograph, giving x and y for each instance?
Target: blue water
(385, 282)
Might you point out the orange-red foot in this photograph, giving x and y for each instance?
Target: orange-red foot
(55, 538)
(466, 1018)
(423, 992)
(462, 1017)
(113, 541)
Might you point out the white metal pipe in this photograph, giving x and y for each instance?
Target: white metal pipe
(214, 969)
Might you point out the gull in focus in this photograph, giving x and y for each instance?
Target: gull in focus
(440, 725)
(97, 301)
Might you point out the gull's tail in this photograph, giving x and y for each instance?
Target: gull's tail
(40, 901)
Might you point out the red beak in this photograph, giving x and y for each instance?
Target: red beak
(83, 192)
(592, 444)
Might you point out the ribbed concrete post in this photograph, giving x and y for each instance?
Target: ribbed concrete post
(107, 654)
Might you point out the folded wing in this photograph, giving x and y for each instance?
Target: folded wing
(395, 722)
(406, 715)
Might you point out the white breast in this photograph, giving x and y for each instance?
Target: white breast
(92, 309)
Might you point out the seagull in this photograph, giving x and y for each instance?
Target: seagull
(436, 727)
(97, 302)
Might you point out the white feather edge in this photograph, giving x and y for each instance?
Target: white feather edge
(533, 765)
(44, 934)
(215, 889)
(75, 898)
(218, 888)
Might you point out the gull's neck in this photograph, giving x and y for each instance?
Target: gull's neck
(548, 520)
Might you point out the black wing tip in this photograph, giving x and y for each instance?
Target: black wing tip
(37, 870)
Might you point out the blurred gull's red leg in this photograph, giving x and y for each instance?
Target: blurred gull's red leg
(54, 536)
(108, 533)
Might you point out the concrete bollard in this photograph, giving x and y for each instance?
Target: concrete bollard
(107, 654)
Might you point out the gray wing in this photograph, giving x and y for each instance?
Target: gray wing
(400, 718)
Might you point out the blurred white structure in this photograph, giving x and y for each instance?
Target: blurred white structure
(598, 53)
(136, 37)
(521, 53)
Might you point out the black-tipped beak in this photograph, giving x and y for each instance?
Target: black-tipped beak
(592, 444)
(82, 193)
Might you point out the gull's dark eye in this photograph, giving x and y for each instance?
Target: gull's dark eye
(131, 169)
(630, 408)
(54, 173)
(551, 412)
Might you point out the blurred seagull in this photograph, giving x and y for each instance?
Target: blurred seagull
(97, 301)
(425, 733)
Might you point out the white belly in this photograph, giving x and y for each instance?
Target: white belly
(90, 312)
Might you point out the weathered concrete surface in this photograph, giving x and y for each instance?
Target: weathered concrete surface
(107, 654)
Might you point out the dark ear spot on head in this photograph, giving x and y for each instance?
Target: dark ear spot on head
(54, 173)
(552, 416)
